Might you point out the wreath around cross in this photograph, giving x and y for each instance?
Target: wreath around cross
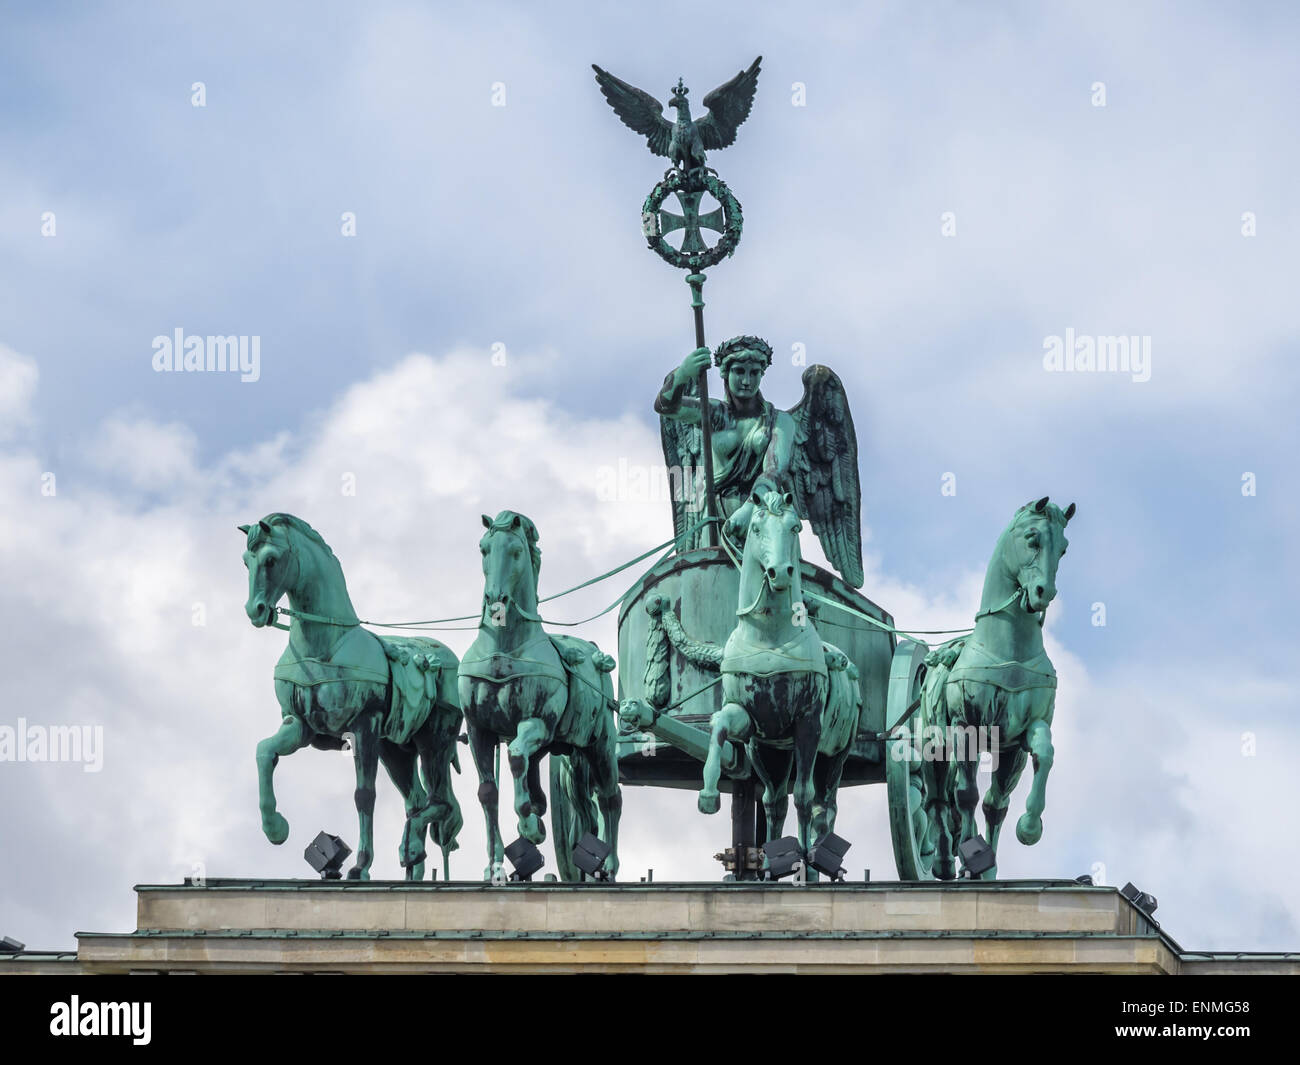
(689, 187)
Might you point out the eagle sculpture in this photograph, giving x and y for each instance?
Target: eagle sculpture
(685, 141)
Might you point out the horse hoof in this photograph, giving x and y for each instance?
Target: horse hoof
(357, 873)
(1029, 830)
(709, 803)
(276, 828)
(532, 829)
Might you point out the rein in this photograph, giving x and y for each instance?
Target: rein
(668, 547)
(910, 634)
(441, 623)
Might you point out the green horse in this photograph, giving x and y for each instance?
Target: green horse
(391, 699)
(540, 694)
(998, 681)
(792, 699)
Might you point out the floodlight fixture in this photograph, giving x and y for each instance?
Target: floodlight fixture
(1144, 902)
(827, 856)
(977, 857)
(326, 854)
(525, 858)
(590, 854)
(783, 856)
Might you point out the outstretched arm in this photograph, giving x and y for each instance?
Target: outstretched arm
(677, 398)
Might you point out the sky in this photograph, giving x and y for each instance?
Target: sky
(931, 193)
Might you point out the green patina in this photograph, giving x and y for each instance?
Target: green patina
(726, 674)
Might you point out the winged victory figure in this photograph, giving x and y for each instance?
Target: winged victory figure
(810, 451)
(685, 141)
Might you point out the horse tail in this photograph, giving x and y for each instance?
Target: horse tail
(573, 809)
(842, 712)
(938, 664)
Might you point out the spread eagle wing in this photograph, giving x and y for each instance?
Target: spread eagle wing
(684, 456)
(824, 469)
(728, 106)
(638, 110)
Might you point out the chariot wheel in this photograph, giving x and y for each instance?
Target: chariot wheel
(909, 820)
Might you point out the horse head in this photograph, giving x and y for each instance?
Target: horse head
(272, 568)
(1032, 549)
(771, 549)
(511, 560)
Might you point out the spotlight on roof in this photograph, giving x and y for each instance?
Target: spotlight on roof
(11, 946)
(782, 855)
(1144, 902)
(590, 854)
(977, 857)
(828, 856)
(525, 858)
(326, 854)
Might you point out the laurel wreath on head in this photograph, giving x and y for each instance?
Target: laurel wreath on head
(732, 221)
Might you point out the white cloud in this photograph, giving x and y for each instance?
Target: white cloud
(18, 377)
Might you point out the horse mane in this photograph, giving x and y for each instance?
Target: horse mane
(508, 520)
(279, 519)
(774, 503)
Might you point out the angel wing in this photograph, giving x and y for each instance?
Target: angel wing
(638, 110)
(728, 106)
(684, 456)
(824, 469)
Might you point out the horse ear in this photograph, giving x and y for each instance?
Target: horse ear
(265, 528)
(1038, 507)
(1069, 512)
(487, 522)
(244, 529)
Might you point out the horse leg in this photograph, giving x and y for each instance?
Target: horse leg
(531, 736)
(938, 784)
(1005, 778)
(293, 735)
(483, 747)
(827, 773)
(609, 796)
(365, 759)
(967, 796)
(442, 812)
(807, 733)
(730, 723)
(399, 762)
(772, 767)
(536, 795)
(1038, 738)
